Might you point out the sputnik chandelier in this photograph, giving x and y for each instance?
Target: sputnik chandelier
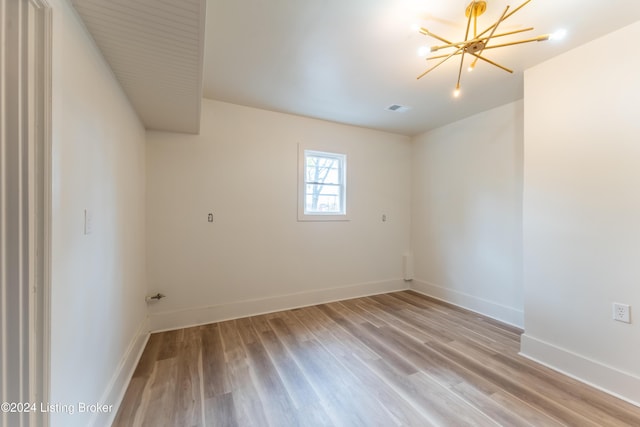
(476, 45)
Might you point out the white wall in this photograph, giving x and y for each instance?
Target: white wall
(256, 256)
(98, 280)
(582, 212)
(467, 212)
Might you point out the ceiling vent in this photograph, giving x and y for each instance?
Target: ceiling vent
(397, 108)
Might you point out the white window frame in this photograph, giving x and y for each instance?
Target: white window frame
(302, 183)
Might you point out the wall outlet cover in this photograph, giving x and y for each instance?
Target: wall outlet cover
(621, 312)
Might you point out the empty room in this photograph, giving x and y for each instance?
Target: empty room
(319, 213)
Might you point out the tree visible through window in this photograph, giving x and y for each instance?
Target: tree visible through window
(324, 182)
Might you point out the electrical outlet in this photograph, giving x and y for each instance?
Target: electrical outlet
(621, 312)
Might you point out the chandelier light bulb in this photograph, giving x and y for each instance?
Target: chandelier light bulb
(423, 51)
(558, 35)
(456, 92)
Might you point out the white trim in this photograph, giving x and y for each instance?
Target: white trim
(620, 384)
(503, 313)
(114, 393)
(42, 389)
(170, 320)
(29, 180)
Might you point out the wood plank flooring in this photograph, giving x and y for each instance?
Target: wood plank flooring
(386, 360)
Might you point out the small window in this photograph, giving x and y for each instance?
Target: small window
(323, 186)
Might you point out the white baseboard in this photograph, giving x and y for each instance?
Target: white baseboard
(485, 307)
(120, 380)
(610, 380)
(169, 320)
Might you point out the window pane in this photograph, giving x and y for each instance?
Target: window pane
(323, 198)
(323, 183)
(322, 169)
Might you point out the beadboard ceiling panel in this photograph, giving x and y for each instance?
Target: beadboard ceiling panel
(155, 48)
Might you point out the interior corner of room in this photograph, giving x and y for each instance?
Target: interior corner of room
(525, 212)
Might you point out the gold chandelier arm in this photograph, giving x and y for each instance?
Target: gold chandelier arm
(495, 27)
(488, 39)
(492, 63)
(460, 72)
(429, 33)
(471, 15)
(506, 17)
(509, 33)
(475, 25)
(426, 32)
(477, 39)
(458, 52)
(445, 46)
(439, 63)
(479, 57)
(517, 9)
(532, 39)
(466, 37)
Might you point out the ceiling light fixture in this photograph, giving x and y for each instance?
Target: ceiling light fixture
(476, 45)
(423, 51)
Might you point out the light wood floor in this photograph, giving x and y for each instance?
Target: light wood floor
(395, 359)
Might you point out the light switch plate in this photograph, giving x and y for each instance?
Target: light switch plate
(88, 221)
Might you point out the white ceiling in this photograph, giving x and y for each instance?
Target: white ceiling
(347, 60)
(338, 60)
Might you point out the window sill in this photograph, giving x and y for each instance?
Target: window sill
(323, 218)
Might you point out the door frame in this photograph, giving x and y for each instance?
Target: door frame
(40, 332)
(26, 181)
